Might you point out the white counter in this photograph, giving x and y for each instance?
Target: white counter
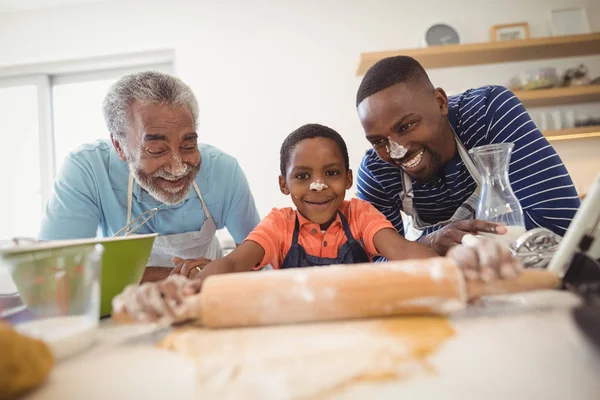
(518, 347)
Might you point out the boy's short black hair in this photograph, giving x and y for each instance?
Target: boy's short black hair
(310, 131)
(390, 71)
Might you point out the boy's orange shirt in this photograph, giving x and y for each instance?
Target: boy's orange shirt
(274, 233)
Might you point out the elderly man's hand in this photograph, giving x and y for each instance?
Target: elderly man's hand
(189, 267)
(485, 259)
(153, 302)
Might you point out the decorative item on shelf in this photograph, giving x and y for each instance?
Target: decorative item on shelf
(569, 21)
(569, 119)
(586, 120)
(543, 78)
(516, 31)
(441, 34)
(557, 120)
(549, 120)
(543, 122)
(576, 76)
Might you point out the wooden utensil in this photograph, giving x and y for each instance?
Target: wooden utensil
(413, 287)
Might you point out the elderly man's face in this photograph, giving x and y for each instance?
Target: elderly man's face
(161, 149)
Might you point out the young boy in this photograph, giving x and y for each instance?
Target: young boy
(324, 229)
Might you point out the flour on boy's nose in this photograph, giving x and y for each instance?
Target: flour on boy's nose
(318, 185)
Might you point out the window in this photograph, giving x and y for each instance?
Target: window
(77, 116)
(46, 115)
(77, 108)
(21, 198)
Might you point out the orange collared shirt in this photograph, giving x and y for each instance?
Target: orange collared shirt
(274, 233)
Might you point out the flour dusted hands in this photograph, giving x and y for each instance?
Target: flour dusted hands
(442, 240)
(485, 259)
(160, 302)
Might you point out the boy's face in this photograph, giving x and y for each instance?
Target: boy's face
(316, 160)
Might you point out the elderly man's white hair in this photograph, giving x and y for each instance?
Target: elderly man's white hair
(146, 88)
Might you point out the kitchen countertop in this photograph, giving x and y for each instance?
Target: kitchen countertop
(512, 347)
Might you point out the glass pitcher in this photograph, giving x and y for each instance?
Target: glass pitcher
(497, 202)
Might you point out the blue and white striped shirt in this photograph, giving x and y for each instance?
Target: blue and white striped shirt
(490, 114)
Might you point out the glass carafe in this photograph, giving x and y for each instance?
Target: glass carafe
(497, 202)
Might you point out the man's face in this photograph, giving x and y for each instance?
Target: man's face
(411, 117)
(317, 160)
(161, 148)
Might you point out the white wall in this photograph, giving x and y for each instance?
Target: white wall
(260, 69)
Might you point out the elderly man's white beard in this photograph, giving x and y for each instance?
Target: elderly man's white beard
(150, 185)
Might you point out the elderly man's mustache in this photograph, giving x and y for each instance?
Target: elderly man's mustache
(161, 173)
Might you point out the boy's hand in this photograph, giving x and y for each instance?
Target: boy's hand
(153, 302)
(485, 259)
(192, 287)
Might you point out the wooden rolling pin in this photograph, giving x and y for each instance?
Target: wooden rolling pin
(428, 286)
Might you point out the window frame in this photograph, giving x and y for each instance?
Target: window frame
(44, 76)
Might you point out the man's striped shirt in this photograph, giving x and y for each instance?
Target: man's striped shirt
(490, 114)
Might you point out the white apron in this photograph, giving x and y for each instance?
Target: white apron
(413, 225)
(202, 243)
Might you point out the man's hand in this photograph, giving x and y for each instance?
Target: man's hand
(190, 267)
(153, 302)
(155, 274)
(485, 259)
(451, 235)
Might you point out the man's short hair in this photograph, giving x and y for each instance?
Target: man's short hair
(388, 72)
(146, 88)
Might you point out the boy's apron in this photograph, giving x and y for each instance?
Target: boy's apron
(202, 243)
(350, 252)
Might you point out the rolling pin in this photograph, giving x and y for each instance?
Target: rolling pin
(412, 287)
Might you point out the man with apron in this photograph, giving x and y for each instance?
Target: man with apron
(419, 174)
(153, 162)
(180, 249)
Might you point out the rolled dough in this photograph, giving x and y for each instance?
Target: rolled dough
(307, 361)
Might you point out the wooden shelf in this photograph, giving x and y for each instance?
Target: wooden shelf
(573, 133)
(559, 96)
(492, 52)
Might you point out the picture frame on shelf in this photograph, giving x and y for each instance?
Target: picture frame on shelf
(569, 21)
(515, 31)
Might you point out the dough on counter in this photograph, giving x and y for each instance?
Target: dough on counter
(25, 362)
(307, 361)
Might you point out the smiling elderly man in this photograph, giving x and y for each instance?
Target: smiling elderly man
(154, 160)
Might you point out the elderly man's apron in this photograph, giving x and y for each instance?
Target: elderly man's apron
(202, 243)
(413, 225)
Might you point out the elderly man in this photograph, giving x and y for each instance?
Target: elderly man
(153, 160)
(419, 162)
